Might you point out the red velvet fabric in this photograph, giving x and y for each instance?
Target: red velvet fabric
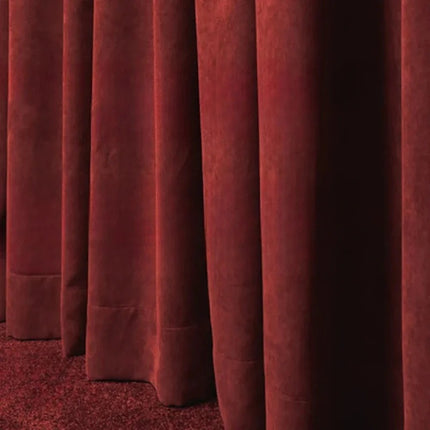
(227, 194)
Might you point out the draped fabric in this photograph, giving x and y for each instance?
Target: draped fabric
(225, 196)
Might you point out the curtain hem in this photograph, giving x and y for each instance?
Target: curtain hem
(26, 295)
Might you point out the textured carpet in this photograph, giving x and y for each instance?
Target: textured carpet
(40, 389)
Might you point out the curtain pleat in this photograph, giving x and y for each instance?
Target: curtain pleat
(416, 211)
(76, 117)
(287, 35)
(226, 194)
(181, 293)
(121, 290)
(147, 298)
(4, 36)
(33, 221)
(229, 121)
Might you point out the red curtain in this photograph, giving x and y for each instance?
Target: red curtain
(224, 194)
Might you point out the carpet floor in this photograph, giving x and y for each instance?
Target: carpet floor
(42, 390)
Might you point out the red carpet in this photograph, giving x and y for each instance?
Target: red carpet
(39, 389)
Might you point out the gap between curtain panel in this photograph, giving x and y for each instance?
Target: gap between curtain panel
(228, 190)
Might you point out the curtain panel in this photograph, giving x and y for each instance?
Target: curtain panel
(227, 196)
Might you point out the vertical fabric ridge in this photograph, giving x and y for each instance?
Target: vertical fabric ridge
(4, 37)
(157, 355)
(287, 54)
(121, 225)
(181, 290)
(416, 211)
(229, 124)
(34, 164)
(77, 87)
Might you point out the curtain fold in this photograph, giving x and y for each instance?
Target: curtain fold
(33, 220)
(229, 119)
(4, 37)
(416, 211)
(76, 144)
(224, 196)
(288, 159)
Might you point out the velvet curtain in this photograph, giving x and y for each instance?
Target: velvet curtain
(224, 194)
